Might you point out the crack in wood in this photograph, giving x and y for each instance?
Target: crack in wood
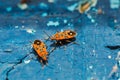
(113, 47)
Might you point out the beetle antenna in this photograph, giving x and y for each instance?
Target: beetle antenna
(51, 50)
(47, 35)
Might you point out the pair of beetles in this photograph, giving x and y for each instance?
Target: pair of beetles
(59, 37)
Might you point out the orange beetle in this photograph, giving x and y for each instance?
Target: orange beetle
(41, 50)
(62, 38)
(64, 35)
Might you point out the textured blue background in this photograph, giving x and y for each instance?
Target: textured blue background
(72, 64)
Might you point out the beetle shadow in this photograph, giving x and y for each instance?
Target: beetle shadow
(62, 42)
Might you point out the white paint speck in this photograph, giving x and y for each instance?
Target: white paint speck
(8, 50)
(93, 51)
(26, 62)
(91, 67)
(83, 42)
(23, 26)
(16, 26)
(109, 57)
(94, 2)
(115, 21)
(114, 4)
(65, 21)
(119, 79)
(118, 52)
(51, 23)
(51, 1)
(23, 6)
(89, 16)
(49, 79)
(92, 20)
(69, 24)
(61, 30)
(118, 56)
(44, 14)
(31, 31)
(72, 7)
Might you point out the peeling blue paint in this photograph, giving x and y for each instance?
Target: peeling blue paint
(93, 58)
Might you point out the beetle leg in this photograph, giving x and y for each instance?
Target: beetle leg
(42, 62)
(51, 50)
(30, 41)
(42, 66)
(75, 43)
(61, 43)
(114, 71)
(46, 63)
(68, 41)
(64, 47)
(56, 42)
(46, 39)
